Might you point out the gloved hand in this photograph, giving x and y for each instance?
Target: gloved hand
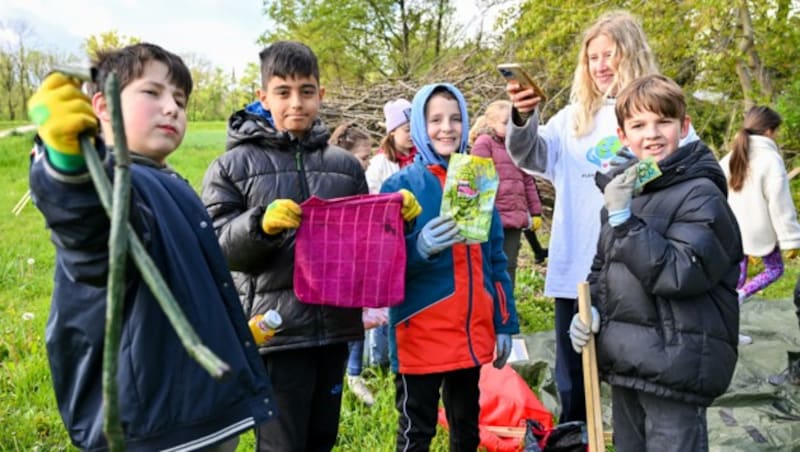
(503, 350)
(536, 222)
(281, 214)
(790, 254)
(411, 208)
(619, 192)
(579, 333)
(437, 235)
(62, 112)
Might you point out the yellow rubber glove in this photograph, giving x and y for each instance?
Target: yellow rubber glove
(536, 222)
(791, 254)
(62, 112)
(411, 208)
(281, 214)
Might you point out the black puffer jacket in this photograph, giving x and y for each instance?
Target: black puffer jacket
(664, 283)
(260, 166)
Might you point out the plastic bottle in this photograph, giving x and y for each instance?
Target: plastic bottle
(263, 326)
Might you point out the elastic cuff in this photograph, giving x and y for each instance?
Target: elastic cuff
(618, 217)
(68, 163)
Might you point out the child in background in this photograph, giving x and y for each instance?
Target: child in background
(517, 198)
(353, 138)
(459, 304)
(396, 149)
(663, 280)
(760, 196)
(276, 159)
(166, 399)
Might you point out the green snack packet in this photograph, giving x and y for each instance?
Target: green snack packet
(468, 197)
(646, 171)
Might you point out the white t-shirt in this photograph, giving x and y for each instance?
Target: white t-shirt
(570, 163)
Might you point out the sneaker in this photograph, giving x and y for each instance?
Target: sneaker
(745, 339)
(359, 389)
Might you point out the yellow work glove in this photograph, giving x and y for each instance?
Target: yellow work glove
(281, 214)
(411, 208)
(536, 222)
(791, 254)
(62, 112)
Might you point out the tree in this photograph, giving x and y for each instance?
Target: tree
(110, 39)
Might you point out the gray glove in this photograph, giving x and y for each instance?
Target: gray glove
(503, 350)
(619, 192)
(437, 235)
(579, 333)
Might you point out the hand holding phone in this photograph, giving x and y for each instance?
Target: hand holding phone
(513, 71)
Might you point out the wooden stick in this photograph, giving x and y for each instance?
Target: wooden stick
(21, 203)
(591, 382)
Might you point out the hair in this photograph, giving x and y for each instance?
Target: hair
(635, 60)
(129, 63)
(757, 121)
(478, 128)
(492, 114)
(287, 59)
(655, 93)
(347, 135)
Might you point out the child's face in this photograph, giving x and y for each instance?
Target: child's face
(603, 61)
(444, 127)
(362, 152)
(402, 138)
(293, 102)
(650, 134)
(153, 110)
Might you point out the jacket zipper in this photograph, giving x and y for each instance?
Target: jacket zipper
(301, 174)
(469, 305)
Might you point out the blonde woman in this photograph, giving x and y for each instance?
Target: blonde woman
(575, 143)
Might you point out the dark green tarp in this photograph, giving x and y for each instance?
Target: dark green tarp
(752, 415)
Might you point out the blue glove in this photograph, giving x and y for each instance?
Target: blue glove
(437, 235)
(579, 333)
(503, 350)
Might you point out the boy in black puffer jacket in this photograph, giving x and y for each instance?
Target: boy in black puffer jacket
(277, 157)
(664, 279)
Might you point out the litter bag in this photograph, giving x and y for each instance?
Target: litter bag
(469, 192)
(350, 252)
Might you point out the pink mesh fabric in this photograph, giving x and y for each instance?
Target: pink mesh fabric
(350, 252)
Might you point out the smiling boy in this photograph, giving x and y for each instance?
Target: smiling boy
(664, 278)
(278, 156)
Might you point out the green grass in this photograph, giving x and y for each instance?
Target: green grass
(28, 410)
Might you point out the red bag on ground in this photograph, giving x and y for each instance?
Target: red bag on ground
(350, 252)
(506, 401)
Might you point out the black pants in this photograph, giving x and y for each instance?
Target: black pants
(539, 252)
(417, 401)
(511, 239)
(647, 422)
(569, 367)
(797, 300)
(307, 383)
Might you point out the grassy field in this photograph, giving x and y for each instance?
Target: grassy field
(28, 413)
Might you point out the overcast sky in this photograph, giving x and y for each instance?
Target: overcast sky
(221, 31)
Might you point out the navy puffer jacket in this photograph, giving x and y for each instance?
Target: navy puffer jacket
(664, 283)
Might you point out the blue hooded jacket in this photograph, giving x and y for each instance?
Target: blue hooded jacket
(419, 132)
(456, 301)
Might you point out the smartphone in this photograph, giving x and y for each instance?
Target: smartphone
(513, 71)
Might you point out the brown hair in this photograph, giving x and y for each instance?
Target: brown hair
(129, 63)
(654, 93)
(347, 135)
(757, 121)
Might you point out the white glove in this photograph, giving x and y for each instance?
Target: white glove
(579, 333)
(503, 350)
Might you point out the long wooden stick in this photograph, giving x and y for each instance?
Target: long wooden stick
(591, 382)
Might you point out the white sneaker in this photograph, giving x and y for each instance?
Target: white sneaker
(745, 339)
(359, 389)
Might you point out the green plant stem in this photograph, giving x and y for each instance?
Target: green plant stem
(118, 253)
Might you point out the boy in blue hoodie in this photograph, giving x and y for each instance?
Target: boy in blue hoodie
(459, 304)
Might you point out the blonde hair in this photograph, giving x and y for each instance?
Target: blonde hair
(496, 111)
(635, 60)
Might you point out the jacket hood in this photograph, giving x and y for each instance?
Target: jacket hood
(245, 126)
(690, 161)
(419, 133)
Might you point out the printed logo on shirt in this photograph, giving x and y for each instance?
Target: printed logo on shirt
(601, 154)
